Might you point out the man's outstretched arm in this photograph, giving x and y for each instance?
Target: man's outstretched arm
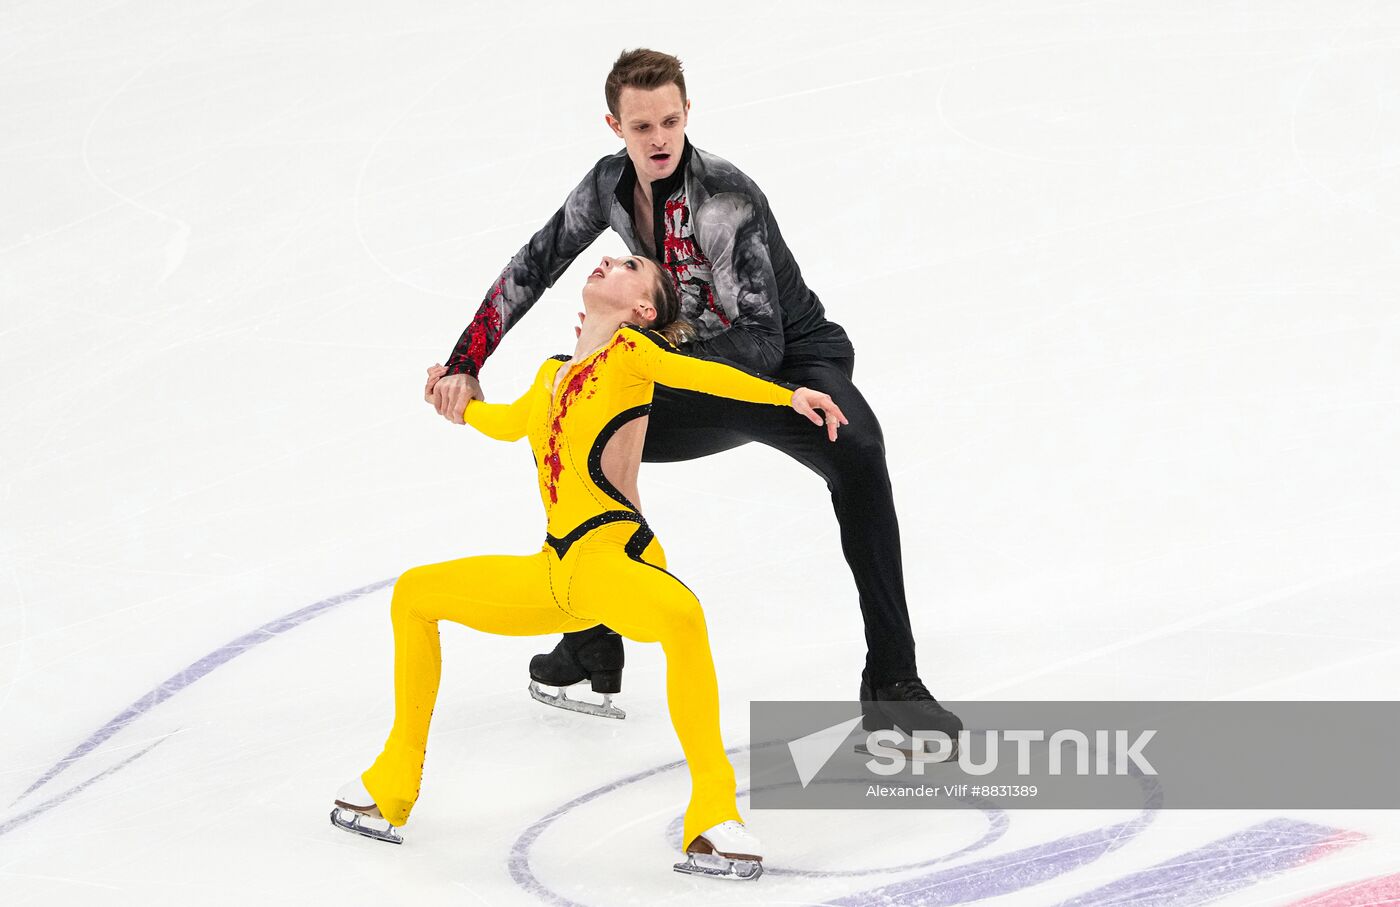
(531, 271)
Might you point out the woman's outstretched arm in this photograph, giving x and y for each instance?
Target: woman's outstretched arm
(664, 364)
(503, 421)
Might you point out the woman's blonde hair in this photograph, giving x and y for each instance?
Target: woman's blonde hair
(666, 297)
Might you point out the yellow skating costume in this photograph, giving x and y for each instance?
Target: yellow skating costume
(600, 564)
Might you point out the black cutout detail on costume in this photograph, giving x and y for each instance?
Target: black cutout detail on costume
(562, 357)
(595, 456)
(638, 543)
(561, 546)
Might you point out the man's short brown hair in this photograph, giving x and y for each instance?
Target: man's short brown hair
(643, 69)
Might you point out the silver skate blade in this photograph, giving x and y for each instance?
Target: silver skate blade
(718, 866)
(914, 755)
(349, 820)
(561, 700)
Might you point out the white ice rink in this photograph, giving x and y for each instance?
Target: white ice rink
(1122, 279)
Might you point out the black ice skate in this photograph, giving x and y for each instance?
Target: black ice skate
(907, 706)
(594, 655)
(355, 811)
(726, 851)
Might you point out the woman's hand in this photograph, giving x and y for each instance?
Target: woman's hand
(808, 402)
(450, 394)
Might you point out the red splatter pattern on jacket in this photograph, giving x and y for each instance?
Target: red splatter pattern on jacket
(680, 255)
(484, 332)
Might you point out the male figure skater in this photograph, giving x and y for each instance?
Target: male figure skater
(710, 227)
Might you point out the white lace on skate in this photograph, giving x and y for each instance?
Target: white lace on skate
(727, 850)
(355, 811)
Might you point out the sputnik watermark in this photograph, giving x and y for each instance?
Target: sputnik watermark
(1077, 755)
(889, 758)
(1112, 752)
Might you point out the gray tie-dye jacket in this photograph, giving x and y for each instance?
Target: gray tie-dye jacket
(715, 234)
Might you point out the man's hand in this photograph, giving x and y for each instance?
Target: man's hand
(807, 402)
(435, 372)
(449, 394)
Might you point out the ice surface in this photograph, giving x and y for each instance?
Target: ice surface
(1122, 282)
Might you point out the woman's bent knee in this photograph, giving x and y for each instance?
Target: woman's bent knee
(409, 591)
(682, 619)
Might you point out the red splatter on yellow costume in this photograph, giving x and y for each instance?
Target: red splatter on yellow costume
(600, 564)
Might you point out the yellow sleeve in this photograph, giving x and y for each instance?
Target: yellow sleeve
(664, 364)
(507, 421)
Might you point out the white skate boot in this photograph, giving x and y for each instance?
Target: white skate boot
(728, 851)
(354, 805)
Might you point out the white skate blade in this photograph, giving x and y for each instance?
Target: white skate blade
(561, 700)
(718, 866)
(914, 755)
(349, 820)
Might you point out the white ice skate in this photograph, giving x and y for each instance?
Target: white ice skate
(354, 807)
(727, 851)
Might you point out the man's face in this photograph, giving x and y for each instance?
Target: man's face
(652, 124)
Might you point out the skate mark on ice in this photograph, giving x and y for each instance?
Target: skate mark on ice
(989, 877)
(1365, 893)
(1206, 874)
(1225, 865)
(519, 861)
(11, 824)
(1002, 874)
(1011, 872)
(197, 671)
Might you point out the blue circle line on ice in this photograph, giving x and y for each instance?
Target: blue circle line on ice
(1050, 857)
(524, 876)
(998, 822)
(177, 682)
(993, 876)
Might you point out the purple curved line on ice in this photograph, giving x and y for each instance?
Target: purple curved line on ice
(11, 824)
(998, 822)
(199, 669)
(988, 877)
(1011, 872)
(1224, 866)
(1002, 874)
(519, 862)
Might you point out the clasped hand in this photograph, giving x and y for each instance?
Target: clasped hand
(449, 395)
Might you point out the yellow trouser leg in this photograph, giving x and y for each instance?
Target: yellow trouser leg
(509, 596)
(648, 604)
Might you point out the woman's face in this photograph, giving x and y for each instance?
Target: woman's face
(623, 286)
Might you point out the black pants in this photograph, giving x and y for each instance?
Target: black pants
(685, 425)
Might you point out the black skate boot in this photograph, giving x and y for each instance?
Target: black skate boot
(594, 655)
(907, 706)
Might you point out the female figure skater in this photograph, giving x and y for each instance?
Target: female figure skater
(586, 418)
